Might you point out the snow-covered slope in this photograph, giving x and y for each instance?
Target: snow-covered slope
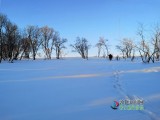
(76, 89)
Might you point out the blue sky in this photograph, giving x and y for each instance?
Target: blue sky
(112, 19)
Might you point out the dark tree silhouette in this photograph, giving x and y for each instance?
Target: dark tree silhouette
(33, 34)
(3, 21)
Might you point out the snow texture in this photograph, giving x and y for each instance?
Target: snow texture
(76, 89)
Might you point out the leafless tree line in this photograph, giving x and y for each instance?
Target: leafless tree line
(17, 44)
(147, 47)
(149, 50)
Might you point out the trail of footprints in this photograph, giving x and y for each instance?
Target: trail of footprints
(117, 84)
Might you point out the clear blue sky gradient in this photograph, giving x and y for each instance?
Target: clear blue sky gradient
(112, 19)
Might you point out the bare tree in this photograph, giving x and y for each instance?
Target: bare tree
(146, 50)
(102, 45)
(3, 20)
(81, 46)
(10, 38)
(156, 41)
(99, 46)
(129, 46)
(33, 34)
(25, 48)
(17, 47)
(126, 47)
(47, 38)
(121, 49)
(11, 35)
(59, 44)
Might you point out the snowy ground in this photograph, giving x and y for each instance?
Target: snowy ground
(76, 89)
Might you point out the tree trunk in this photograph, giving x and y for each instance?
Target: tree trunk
(21, 55)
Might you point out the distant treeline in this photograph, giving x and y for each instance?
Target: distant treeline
(16, 43)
